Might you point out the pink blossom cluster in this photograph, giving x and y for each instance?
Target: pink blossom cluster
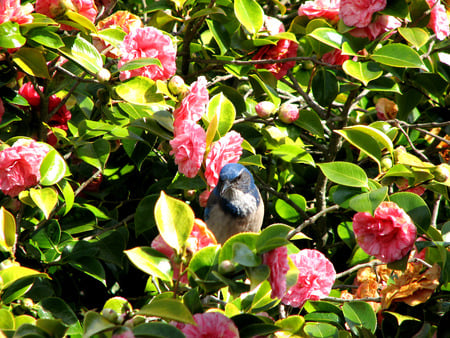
(11, 10)
(57, 120)
(315, 279)
(328, 9)
(439, 21)
(148, 42)
(20, 166)
(388, 235)
(209, 324)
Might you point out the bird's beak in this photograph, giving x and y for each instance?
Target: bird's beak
(225, 186)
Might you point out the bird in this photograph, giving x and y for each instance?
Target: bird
(235, 204)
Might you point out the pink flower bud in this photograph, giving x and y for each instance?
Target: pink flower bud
(103, 75)
(288, 113)
(265, 109)
(176, 85)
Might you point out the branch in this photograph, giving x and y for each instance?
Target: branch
(370, 264)
(342, 300)
(411, 144)
(264, 61)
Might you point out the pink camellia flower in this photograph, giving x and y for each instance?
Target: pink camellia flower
(203, 198)
(272, 25)
(189, 146)
(209, 324)
(148, 42)
(11, 10)
(30, 94)
(335, 57)
(381, 25)
(288, 113)
(200, 237)
(57, 8)
(277, 261)
(193, 105)
(226, 150)
(439, 22)
(388, 235)
(403, 184)
(282, 50)
(2, 110)
(328, 9)
(120, 19)
(359, 13)
(386, 109)
(20, 166)
(315, 279)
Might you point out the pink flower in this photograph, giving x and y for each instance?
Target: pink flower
(148, 42)
(2, 110)
(272, 25)
(439, 22)
(288, 113)
(226, 150)
(193, 105)
(11, 10)
(203, 198)
(200, 237)
(209, 324)
(265, 109)
(388, 235)
(277, 261)
(57, 8)
(386, 109)
(30, 94)
(120, 19)
(335, 57)
(20, 166)
(403, 184)
(315, 279)
(381, 25)
(189, 146)
(328, 9)
(359, 13)
(282, 50)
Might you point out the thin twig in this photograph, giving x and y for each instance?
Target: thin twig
(263, 61)
(411, 144)
(342, 300)
(370, 264)
(435, 213)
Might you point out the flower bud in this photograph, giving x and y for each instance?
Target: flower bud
(288, 113)
(176, 85)
(441, 173)
(103, 75)
(386, 109)
(226, 267)
(265, 109)
(386, 163)
(59, 8)
(110, 315)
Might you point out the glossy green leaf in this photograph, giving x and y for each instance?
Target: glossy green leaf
(169, 309)
(32, 62)
(364, 142)
(67, 193)
(23, 319)
(328, 36)
(145, 207)
(94, 323)
(359, 314)
(398, 55)
(311, 122)
(400, 324)
(362, 71)
(151, 262)
(95, 154)
(325, 87)
(157, 329)
(113, 36)
(175, 220)
(222, 109)
(293, 153)
(54, 307)
(118, 304)
(416, 36)
(81, 20)
(345, 232)
(45, 199)
(384, 84)
(344, 173)
(10, 36)
(249, 239)
(7, 230)
(14, 273)
(202, 264)
(45, 37)
(368, 201)
(250, 15)
(139, 90)
(266, 87)
(292, 324)
(243, 255)
(322, 330)
(138, 63)
(416, 207)
(91, 267)
(272, 237)
(262, 300)
(6, 320)
(255, 160)
(286, 211)
(83, 53)
(53, 168)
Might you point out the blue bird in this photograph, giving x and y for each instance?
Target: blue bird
(235, 205)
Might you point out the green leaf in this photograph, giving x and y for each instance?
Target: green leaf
(359, 314)
(377, 134)
(45, 199)
(384, 84)
(255, 160)
(286, 211)
(91, 267)
(6, 320)
(67, 193)
(138, 63)
(81, 20)
(95, 154)
(14, 273)
(151, 261)
(83, 53)
(362, 71)
(369, 201)
(223, 110)
(398, 55)
(293, 153)
(249, 239)
(415, 36)
(328, 36)
(10, 36)
(145, 207)
(175, 220)
(322, 330)
(272, 237)
(363, 142)
(344, 173)
(45, 37)
(345, 232)
(311, 122)
(250, 15)
(258, 80)
(156, 329)
(53, 168)
(113, 36)
(32, 62)
(325, 87)
(57, 308)
(118, 304)
(7, 230)
(201, 266)
(139, 90)
(94, 323)
(168, 309)
(415, 207)
(206, 12)
(243, 255)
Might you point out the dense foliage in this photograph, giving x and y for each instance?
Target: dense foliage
(116, 118)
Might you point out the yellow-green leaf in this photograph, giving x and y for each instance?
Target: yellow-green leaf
(32, 62)
(45, 199)
(7, 230)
